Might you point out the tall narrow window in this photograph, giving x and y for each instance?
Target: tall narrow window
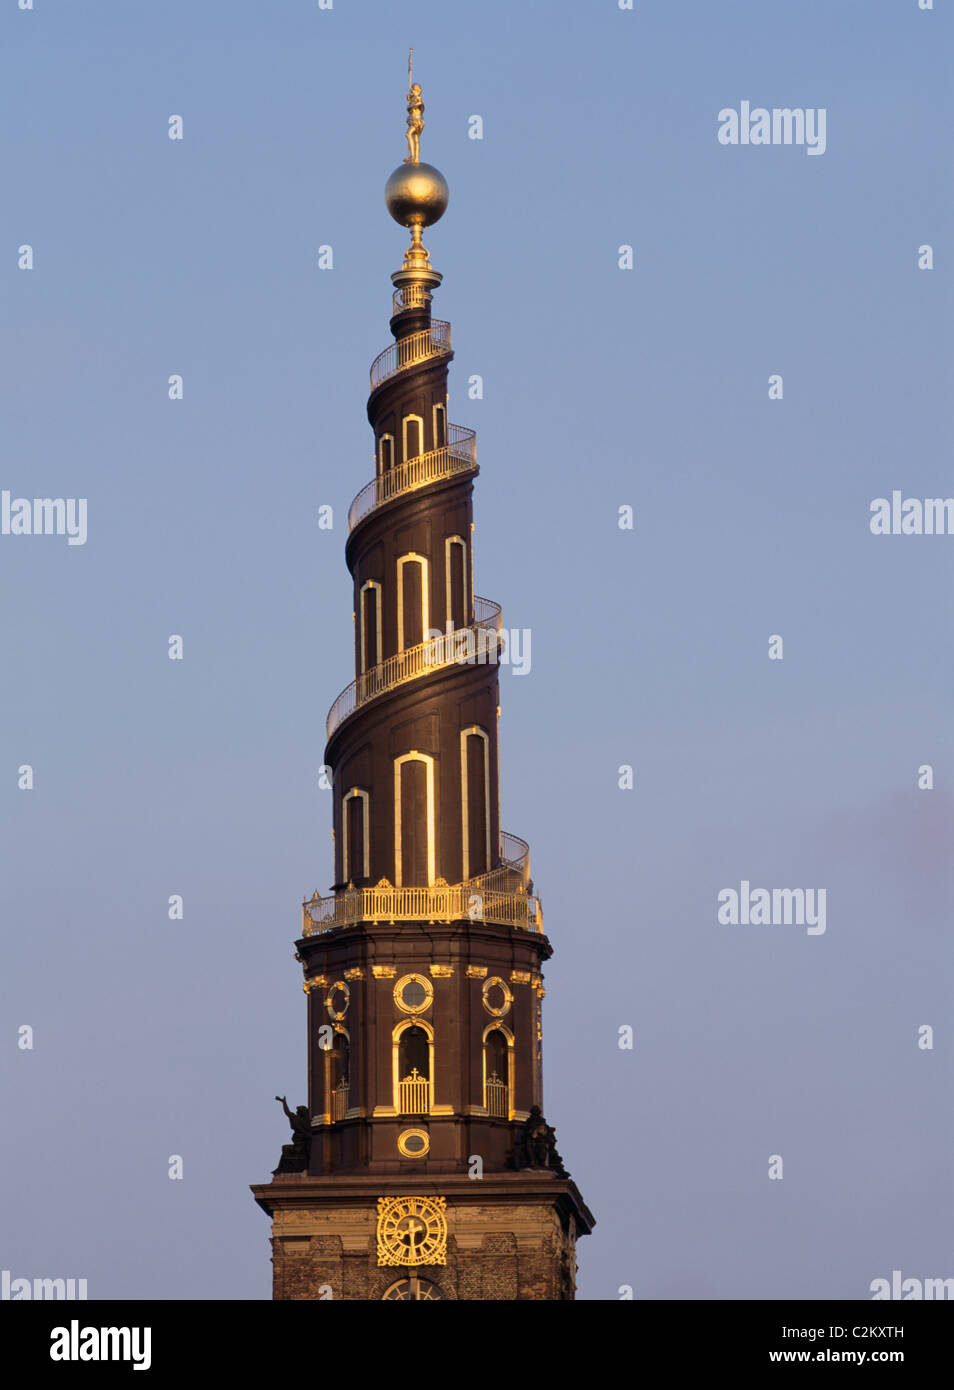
(475, 800)
(455, 570)
(440, 427)
(370, 635)
(413, 600)
(355, 837)
(497, 1052)
(413, 1068)
(413, 436)
(339, 1075)
(385, 453)
(414, 849)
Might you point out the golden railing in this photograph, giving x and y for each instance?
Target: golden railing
(458, 455)
(407, 352)
(477, 642)
(413, 1089)
(492, 897)
(340, 1101)
(498, 1097)
(410, 297)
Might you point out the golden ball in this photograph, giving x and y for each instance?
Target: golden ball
(416, 195)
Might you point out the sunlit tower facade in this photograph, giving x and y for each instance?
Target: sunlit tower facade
(422, 1166)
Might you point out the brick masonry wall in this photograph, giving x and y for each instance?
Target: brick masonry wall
(494, 1252)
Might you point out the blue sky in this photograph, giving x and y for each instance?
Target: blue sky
(602, 387)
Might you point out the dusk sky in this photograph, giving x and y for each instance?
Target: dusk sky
(603, 387)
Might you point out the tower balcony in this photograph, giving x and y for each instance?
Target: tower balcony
(412, 296)
(501, 897)
(515, 856)
(458, 455)
(433, 341)
(475, 643)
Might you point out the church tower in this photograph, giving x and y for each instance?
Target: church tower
(422, 1166)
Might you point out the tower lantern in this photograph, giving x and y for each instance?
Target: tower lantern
(422, 1166)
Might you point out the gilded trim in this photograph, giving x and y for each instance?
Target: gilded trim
(400, 987)
(334, 1013)
(413, 1134)
(385, 438)
(495, 982)
(424, 563)
(420, 425)
(498, 1027)
(474, 731)
(402, 1027)
(423, 1243)
(370, 584)
(448, 609)
(414, 756)
(346, 874)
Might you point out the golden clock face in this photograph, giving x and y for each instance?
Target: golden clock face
(412, 1231)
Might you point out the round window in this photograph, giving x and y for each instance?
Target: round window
(413, 1143)
(338, 999)
(497, 996)
(413, 993)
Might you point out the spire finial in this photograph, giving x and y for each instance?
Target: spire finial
(416, 193)
(415, 113)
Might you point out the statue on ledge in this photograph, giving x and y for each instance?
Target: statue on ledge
(536, 1145)
(295, 1155)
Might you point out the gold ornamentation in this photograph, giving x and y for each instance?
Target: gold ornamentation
(441, 972)
(420, 998)
(476, 972)
(412, 1231)
(421, 660)
(415, 114)
(520, 977)
(416, 194)
(315, 982)
(458, 455)
(383, 972)
(498, 903)
(413, 1288)
(497, 1010)
(339, 987)
(412, 757)
(420, 1143)
(355, 973)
